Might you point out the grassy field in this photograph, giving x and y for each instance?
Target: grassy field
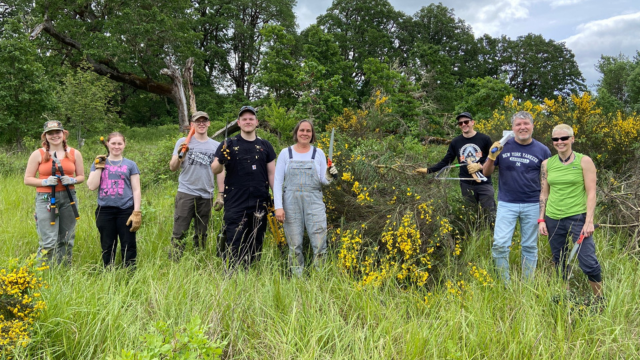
(263, 313)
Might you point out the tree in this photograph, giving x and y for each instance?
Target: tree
(85, 103)
(280, 65)
(539, 68)
(128, 41)
(232, 43)
(480, 96)
(620, 81)
(25, 89)
(363, 30)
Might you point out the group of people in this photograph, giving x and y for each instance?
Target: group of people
(550, 195)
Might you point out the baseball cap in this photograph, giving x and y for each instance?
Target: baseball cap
(464, 114)
(199, 114)
(52, 125)
(247, 108)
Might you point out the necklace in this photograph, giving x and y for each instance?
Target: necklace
(564, 161)
(112, 164)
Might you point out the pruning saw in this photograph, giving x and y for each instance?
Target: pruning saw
(478, 176)
(330, 158)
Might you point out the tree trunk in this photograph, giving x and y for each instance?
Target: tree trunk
(177, 92)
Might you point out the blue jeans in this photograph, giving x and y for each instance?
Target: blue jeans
(507, 216)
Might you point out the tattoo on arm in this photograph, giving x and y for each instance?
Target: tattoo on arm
(543, 202)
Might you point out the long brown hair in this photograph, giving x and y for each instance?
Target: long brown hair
(45, 145)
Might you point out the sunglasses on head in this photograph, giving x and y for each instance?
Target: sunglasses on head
(561, 138)
(463, 122)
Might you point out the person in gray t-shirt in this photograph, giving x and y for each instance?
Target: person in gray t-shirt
(196, 185)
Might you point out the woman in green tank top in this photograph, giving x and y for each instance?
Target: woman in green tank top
(567, 205)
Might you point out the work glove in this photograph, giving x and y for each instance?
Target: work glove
(225, 155)
(474, 168)
(219, 203)
(330, 172)
(50, 181)
(421, 171)
(68, 180)
(136, 219)
(494, 155)
(185, 148)
(100, 161)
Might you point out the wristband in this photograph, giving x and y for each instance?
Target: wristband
(540, 221)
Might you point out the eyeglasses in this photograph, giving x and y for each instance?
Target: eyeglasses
(201, 121)
(562, 138)
(463, 122)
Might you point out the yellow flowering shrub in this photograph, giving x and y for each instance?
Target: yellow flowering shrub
(610, 140)
(21, 302)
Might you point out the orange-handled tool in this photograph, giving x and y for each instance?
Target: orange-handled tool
(186, 142)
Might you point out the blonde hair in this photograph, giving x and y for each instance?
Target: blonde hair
(563, 127)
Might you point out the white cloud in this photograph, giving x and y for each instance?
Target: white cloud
(612, 36)
(558, 3)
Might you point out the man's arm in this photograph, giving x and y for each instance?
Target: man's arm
(448, 158)
(489, 167)
(271, 173)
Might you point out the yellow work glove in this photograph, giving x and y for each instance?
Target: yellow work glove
(421, 171)
(219, 204)
(494, 155)
(136, 219)
(474, 168)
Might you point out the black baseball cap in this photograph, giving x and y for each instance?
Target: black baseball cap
(247, 108)
(464, 114)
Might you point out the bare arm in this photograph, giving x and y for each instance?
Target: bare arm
(544, 195)
(175, 163)
(216, 167)
(589, 174)
(271, 172)
(137, 193)
(93, 182)
(489, 167)
(32, 167)
(79, 168)
(220, 181)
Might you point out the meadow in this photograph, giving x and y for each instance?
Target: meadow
(461, 312)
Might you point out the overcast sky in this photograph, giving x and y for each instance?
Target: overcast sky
(588, 27)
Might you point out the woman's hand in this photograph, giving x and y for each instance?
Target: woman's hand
(587, 229)
(542, 229)
(280, 215)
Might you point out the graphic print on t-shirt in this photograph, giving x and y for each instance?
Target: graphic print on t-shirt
(200, 158)
(112, 180)
(519, 157)
(470, 153)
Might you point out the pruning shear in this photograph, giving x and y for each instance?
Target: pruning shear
(478, 176)
(575, 251)
(71, 201)
(330, 158)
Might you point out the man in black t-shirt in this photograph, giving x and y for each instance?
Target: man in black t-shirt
(471, 148)
(250, 166)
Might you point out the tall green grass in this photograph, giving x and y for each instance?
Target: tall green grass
(263, 313)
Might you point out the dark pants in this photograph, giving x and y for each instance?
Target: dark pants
(188, 207)
(112, 224)
(559, 231)
(244, 232)
(480, 193)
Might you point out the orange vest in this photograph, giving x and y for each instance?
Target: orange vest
(44, 170)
